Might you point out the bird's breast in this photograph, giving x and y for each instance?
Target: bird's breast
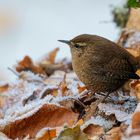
(84, 68)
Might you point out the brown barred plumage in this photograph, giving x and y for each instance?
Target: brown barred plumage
(101, 64)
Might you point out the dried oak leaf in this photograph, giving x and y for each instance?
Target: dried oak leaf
(72, 134)
(52, 55)
(27, 65)
(46, 116)
(93, 131)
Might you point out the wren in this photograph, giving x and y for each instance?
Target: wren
(100, 64)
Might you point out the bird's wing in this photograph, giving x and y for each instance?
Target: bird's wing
(119, 69)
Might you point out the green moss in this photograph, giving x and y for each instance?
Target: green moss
(134, 3)
(120, 15)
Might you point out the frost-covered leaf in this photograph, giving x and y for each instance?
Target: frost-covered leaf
(122, 111)
(27, 65)
(45, 116)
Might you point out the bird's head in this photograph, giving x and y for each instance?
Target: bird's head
(78, 44)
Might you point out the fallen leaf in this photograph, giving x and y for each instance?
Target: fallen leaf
(51, 68)
(72, 134)
(4, 88)
(136, 120)
(27, 65)
(52, 55)
(63, 86)
(46, 116)
(80, 122)
(94, 131)
(49, 58)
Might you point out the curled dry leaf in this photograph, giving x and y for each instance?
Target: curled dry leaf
(50, 57)
(63, 86)
(46, 116)
(51, 68)
(27, 65)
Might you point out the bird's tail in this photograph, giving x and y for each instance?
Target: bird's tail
(138, 60)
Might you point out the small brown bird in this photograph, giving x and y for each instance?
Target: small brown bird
(101, 64)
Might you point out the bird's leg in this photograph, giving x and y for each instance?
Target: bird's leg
(105, 97)
(102, 94)
(78, 101)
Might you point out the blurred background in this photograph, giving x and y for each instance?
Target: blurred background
(32, 27)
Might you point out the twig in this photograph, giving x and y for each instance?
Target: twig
(14, 72)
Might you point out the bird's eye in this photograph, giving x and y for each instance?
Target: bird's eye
(77, 46)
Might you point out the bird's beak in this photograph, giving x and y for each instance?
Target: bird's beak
(65, 41)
